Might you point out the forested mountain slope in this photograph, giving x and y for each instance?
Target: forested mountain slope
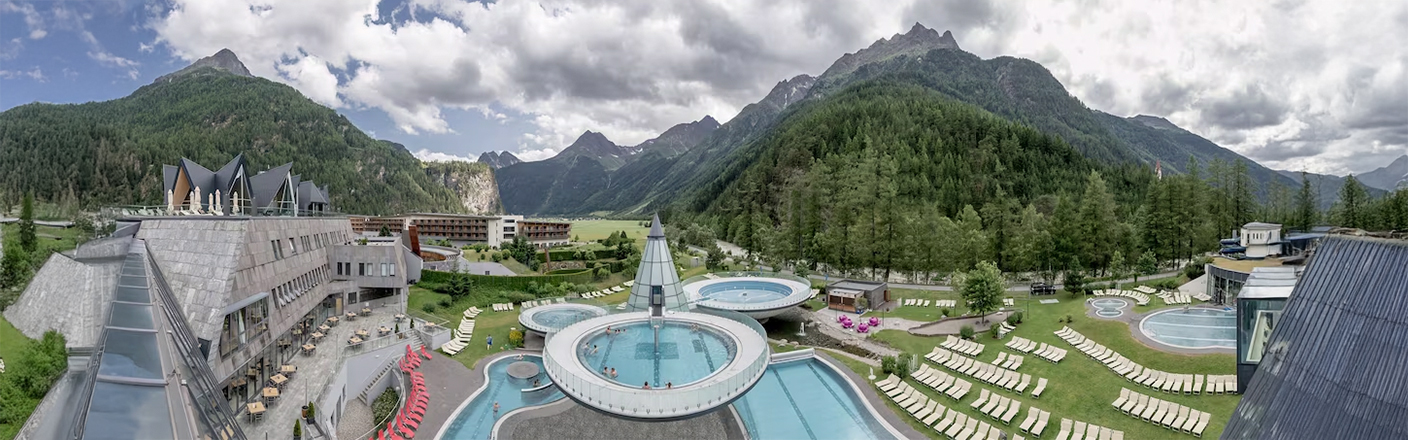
(111, 152)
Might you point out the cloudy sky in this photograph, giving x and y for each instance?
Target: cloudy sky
(1320, 85)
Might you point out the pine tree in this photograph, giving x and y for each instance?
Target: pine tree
(1307, 212)
(1354, 199)
(982, 288)
(29, 242)
(1097, 222)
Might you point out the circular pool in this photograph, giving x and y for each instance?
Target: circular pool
(553, 317)
(685, 354)
(760, 297)
(1197, 327)
(1109, 307)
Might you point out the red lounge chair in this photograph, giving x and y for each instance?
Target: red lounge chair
(406, 430)
(414, 413)
(405, 421)
(424, 353)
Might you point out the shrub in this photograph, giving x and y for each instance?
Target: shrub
(1069, 319)
(446, 302)
(902, 365)
(384, 405)
(515, 338)
(1020, 316)
(1012, 319)
(887, 365)
(428, 308)
(297, 429)
(965, 332)
(946, 312)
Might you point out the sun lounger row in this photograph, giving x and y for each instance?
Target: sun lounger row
(460, 341)
(1021, 344)
(942, 382)
(1156, 379)
(1176, 298)
(962, 346)
(1004, 328)
(945, 303)
(997, 406)
(472, 312)
(1050, 353)
(1138, 297)
(1163, 413)
(1009, 302)
(961, 427)
(1035, 422)
(1009, 362)
(502, 307)
(986, 372)
(1146, 290)
(915, 302)
(1086, 431)
(417, 399)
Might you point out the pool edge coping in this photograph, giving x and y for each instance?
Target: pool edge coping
(486, 362)
(1137, 326)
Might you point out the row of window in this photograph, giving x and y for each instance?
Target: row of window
(367, 269)
(307, 243)
(288, 292)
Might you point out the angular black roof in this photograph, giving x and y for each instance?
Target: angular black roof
(266, 185)
(1336, 366)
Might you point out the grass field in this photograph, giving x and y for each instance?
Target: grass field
(1080, 388)
(12, 342)
(593, 230)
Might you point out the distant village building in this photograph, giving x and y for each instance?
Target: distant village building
(1261, 240)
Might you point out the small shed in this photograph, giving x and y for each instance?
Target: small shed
(842, 294)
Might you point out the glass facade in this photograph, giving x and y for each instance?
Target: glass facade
(1255, 320)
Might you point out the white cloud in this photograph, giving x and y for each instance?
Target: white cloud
(1298, 83)
(435, 156)
(145, 48)
(32, 19)
(34, 74)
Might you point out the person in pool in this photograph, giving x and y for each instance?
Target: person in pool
(613, 372)
(593, 348)
(669, 385)
(646, 386)
(496, 407)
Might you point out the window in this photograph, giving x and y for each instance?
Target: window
(292, 246)
(361, 269)
(278, 250)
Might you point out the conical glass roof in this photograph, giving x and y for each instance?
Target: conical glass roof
(657, 274)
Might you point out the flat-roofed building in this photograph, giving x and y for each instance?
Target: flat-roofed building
(493, 230)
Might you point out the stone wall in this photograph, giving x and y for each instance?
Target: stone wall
(68, 296)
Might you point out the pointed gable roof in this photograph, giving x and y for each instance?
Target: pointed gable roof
(225, 177)
(266, 185)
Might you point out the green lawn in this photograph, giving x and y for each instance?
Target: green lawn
(1080, 388)
(12, 342)
(593, 230)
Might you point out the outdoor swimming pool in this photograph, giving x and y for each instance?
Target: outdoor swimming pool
(685, 355)
(554, 317)
(1109, 307)
(475, 420)
(806, 399)
(1198, 327)
(744, 291)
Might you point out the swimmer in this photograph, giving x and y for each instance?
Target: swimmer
(646, 386)
(613, 372)
(669, 385)
(496, 407)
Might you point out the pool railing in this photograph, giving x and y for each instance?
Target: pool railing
(743, 274)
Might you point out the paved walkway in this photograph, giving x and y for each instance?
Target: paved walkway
(449, 384)
(313, 372)
(567, 419)
(356, 420)
(850, 337)
(953, 326)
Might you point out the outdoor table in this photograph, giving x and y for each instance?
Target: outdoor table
(288, 369)
(308, 348)
(351, 316)
(354, 341)
(362, 333)
(366, 311)
(383, 331)
(332, 320)
(323, 328)
(285, 342)
(317, 335)
(400, 317)
(255, 409)
(429, 324)
(278, 380)
(297, 331)
(271, 393)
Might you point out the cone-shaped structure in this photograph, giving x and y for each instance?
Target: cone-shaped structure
(656, 278)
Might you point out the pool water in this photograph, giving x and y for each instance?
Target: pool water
(744, 291)
(806, 400)
(1193, 328)
(476, 420)
(560, 318)
(684, 355)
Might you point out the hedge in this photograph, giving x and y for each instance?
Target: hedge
(566, 255)
(507, 282)
(569, 271)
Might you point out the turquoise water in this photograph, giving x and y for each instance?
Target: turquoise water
(684, 355)
(559, 318)
(806, 400)
(1193, 328)
(476, 420)
(745, 291)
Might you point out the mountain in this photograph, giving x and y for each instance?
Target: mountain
(1390, 177)
(472, 182)
(1014, 89)
(105, 153)
(680, 138)
(596, 146)
(498, 159)
(224, 61)
(1326, 187)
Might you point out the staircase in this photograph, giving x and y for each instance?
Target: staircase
(390, 365)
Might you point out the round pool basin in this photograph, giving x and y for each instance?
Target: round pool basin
(1197, 327)
(757, 297)
(685, 354)
(1109, 307)
(553, 317)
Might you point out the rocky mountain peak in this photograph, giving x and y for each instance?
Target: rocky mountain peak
(790, 91)
(680, 138)
(496, 159)
(918, 41)
(224, 60)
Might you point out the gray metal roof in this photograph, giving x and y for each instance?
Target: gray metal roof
(266, 185)
(1336, 366)
(1260, 225)
(856, 285)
